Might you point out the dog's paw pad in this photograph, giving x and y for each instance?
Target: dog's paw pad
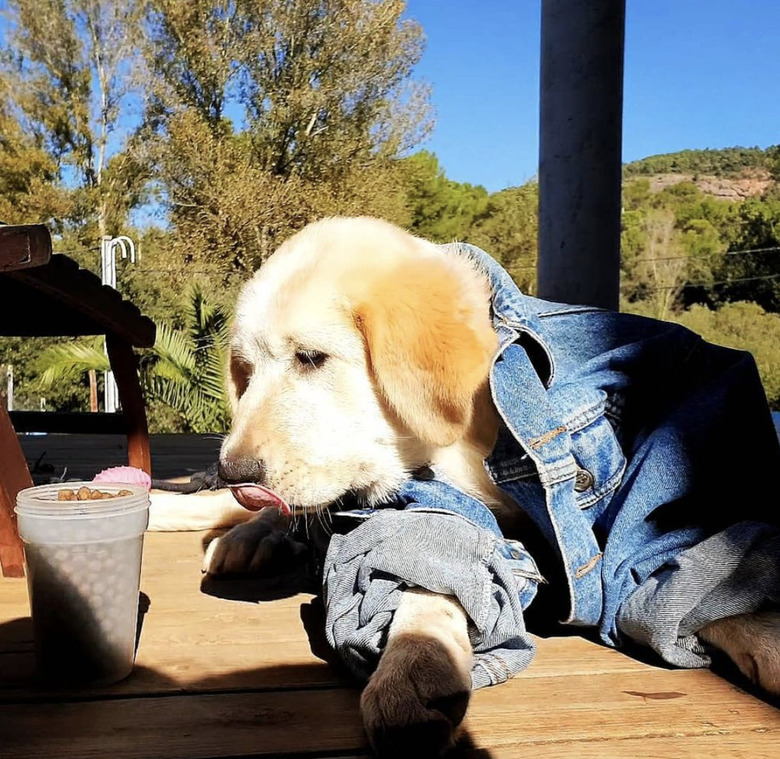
(252, 549)
(413, 705)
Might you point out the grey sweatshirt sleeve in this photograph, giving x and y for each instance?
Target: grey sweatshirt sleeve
(736, 571)
(366, 571)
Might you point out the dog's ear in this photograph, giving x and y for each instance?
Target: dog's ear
(430, 344)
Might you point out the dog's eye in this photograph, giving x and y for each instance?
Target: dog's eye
(310, 359)
(240, 373)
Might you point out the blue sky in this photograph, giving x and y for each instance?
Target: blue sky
(698, 74)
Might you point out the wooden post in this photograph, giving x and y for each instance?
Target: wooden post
(124, 365)
(9, 387)
(580, 151)
(14, 476)
(93, 391)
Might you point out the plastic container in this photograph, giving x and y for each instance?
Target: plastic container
(83, 574)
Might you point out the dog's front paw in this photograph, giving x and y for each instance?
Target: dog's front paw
(260, 547)
(418, 696)
(415, 701)
(752, 642)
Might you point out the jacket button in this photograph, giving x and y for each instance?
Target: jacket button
(583, 480)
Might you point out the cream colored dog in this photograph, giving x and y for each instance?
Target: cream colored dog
(360, 353)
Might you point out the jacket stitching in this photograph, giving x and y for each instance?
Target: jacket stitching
(537, 442)
(588, 566)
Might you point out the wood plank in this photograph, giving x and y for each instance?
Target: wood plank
(738, 745)
(540, 713)
(732, 746)
(746, 744)
(275, 656)
(23, 246)
(659, 703)
(183, 727)
(81, 292)
(84, 455)
(222, 678)
(189, 638)
(80, 422)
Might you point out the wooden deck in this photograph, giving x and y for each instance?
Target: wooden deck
(227, 678)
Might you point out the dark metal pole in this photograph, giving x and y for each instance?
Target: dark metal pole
(580, 142)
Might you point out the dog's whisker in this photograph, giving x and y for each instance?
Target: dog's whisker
(324, 518)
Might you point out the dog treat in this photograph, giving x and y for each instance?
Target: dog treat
(88, 494)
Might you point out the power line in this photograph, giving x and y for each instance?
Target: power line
(711, 255)
(181, 270)
(772, 249)
(751, 250)
(706, 285)
(170, 270)
(532, 267)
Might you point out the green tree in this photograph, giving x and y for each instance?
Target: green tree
(29, 191)
(723, 162)
(508, 230)
(185, 370)
(656, 270)
(67, 69)
(440, 209)
(755, 273)
(23, 354)
(267, 114)
(745, 326)
(672, 243)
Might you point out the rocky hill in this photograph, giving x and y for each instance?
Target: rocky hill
(726, 188)
(729, 174)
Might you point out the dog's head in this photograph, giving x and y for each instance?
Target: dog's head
(357, 349)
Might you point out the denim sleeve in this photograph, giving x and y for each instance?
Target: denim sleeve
(440, 550)
(736, 571)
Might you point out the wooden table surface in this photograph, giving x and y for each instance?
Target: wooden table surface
(231, 678)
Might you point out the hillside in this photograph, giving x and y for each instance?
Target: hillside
(724, 188)
(728, 174)
(726, 162)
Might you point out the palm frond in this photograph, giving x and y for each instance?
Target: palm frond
(174, 350)
(186, 371)
(70, 361)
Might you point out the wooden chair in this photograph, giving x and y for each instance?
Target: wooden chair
(50, 295)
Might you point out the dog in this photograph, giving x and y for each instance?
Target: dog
(360, 353)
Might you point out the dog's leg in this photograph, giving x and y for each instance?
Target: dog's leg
(419, 693)
(209, 509)
(752, 642)
(264, 545)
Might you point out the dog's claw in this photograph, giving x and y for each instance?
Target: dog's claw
(259, 547)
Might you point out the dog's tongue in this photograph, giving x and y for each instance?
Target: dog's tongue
(255, 497)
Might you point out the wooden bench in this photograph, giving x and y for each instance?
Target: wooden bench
(50, 295)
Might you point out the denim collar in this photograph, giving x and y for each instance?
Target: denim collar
(512, 315)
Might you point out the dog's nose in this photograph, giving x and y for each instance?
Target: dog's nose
(241, 470)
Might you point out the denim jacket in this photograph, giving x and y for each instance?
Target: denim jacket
(627, 441)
